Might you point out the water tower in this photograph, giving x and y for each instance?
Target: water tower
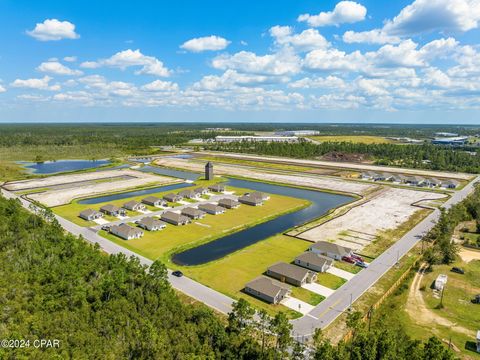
(209, 171)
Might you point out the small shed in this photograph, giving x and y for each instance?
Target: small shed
(440, 282)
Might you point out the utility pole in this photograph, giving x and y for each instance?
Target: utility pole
(369, 316)
(441, 296)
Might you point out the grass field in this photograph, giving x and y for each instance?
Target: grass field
(358, 139)
(259, 164)
(330, 281)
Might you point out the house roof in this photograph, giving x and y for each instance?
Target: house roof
(250, 198)
(170, 196)
(125, 230)
(131, 203)
(151, 222)
(217, 187)
(200, 190)
(151, 199)
(229, 202)
(110, 208)
(210, 207)
(314, 259)
(289, 270)
(326, 246)
(267, 286)
(174, 216)
(190, 211)
(258, 194)
(186, 193)
(88, 212)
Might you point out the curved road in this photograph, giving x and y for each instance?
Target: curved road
(321, 315)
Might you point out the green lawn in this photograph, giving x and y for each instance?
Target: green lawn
(347, 266)
(307, 296)
(329, 280)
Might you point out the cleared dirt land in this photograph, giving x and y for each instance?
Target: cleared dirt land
(93, 183)
(358, 227)
(298, 180)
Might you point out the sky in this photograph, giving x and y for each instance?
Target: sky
(415, 61)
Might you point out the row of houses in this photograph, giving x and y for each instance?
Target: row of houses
(113, 210)
(273, 288)
(411, 180)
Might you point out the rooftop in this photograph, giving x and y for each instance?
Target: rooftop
(289, 270)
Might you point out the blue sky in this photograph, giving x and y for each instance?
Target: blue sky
(414, 61)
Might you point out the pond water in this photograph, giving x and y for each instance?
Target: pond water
(124, 195)
(321, 203)
(52, 167)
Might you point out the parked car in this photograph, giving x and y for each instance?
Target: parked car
(361, 264)
(177, 273)
(348, 259)
(476, 299)
(458, 270)
(106, 227)
(357, 257)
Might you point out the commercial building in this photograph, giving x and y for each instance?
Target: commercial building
(297, 133)
(291, 274)
(267, 289)
(230, 139)
(452, 141)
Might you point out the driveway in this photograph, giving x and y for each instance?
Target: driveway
(341, 273)
(319, 289)
(297, 305)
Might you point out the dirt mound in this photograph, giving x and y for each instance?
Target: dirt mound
(345, 157)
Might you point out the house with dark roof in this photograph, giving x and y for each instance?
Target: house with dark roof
(126, 232)
(313, 261)
(260, 195)
(112, 210)
(171, 197)
(201, 191)
(211, 209)
(90, 214)
(450, 184)
(228, 203)
(175, 218)
(151, 224)
(415, 180)
(134, 206)
(250, 200)
(267, 289)
(153, 201)
(291, 274)
(219, 188)
(331, 250)
(432, 182)
(193, 213)
(188, 194)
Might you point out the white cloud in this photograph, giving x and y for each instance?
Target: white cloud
(2, 89)
(159, 85)
(127, 58)
(53, 29)
(307, 40)
(375, 36)
(54, 67)
(200, 44)
(70, 58)
(334, 59)
(344, 12)
(232, 79)
(40, 84)
(282, 63)
(329, 82)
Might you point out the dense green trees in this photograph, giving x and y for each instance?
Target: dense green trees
(414, 156)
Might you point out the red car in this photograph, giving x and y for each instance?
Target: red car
(357, 257)
(348, 259)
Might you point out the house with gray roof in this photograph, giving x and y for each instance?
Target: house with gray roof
(201, 191)
(331, 250)
(171, 197)
(175, 218)
(90, 214)
(291, 274)
(450, 184)
(151, 224)
(250, 200)
(228, 203)
(193, 213)
(267, 289)
(260, 195)
(219, 188)
(432, 182)
(188, 194)
(134, 206)
(211, 209)
(112, 210)
(126, 232)
(154, 201)
(313, 261)
(415, 180)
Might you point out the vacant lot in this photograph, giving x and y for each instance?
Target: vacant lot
(353, 139)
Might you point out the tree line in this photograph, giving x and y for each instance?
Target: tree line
(426, 156)
(56, 286)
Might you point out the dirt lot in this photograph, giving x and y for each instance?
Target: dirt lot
(468, 255)
(304, 179)
(65, 194)
(358, 227)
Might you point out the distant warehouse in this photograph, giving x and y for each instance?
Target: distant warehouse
(230, 139)
(454, 141)
(297, 133)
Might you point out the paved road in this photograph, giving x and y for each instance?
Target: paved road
(340, 301)
(321, 315)
(184, 284)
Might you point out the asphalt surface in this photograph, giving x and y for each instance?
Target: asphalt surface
(321, 315)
